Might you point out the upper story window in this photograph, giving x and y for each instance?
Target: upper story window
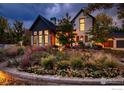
(82, 24)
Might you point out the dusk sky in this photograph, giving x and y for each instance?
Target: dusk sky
(28, 12)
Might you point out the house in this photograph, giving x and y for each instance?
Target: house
(82, 24)
(43, 31)
(116, 41)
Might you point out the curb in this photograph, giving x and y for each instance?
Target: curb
(57, 80)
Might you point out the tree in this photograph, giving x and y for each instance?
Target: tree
(98, 6)
(19, 30)
(101, 28)
(65, 30)
(4, 27)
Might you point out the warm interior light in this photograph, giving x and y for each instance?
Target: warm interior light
(4, 78)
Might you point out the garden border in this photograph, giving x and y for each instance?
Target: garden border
(57, 80)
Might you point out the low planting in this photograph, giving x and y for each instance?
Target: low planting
(71, 64)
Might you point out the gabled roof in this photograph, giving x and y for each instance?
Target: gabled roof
(82, 10)
(42, 23)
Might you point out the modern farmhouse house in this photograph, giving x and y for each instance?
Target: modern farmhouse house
(44, 31)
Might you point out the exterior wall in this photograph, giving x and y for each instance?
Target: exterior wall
(88, 24)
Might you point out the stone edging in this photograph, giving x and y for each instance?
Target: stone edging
(57, 80)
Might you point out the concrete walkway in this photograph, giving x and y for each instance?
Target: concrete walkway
(57, 80)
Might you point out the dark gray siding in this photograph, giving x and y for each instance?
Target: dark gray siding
(120, 43)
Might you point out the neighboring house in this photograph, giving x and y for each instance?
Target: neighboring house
(116, 41)
(82, 24)
(44, 31)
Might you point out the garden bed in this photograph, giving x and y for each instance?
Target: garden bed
(71, 63)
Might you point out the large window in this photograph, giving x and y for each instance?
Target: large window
(40, 38)
(82, 24)
(35, 38)
(46, 34)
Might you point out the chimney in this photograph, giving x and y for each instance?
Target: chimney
(53, 20)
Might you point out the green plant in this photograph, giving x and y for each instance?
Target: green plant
(76, 73)
(76, 63)
(62, 72)
(63, 64)
(20, 51)
(62, 56)
(49, 62)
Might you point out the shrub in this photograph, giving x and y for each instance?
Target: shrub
(76, 73)
(49, 62)
(62, 72)
(63, 64)
(20, 51)
(76, 63)
(62, 56)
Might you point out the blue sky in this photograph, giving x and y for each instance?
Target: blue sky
(28, 12)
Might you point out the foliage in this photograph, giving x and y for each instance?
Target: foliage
(49, 62)
(81, 44)
(63, 64)
(99, 6)
(65, 30)
(20, 51)
(76, 63)
(19, 30)
(101, 28)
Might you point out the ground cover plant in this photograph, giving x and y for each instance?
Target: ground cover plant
(71, 63)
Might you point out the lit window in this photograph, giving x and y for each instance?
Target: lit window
(40, 38)
(35, 38)
(40, 33)
(82, 25)
(46, 33)
(35, 33)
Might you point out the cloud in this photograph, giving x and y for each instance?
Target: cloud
(54, 10)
